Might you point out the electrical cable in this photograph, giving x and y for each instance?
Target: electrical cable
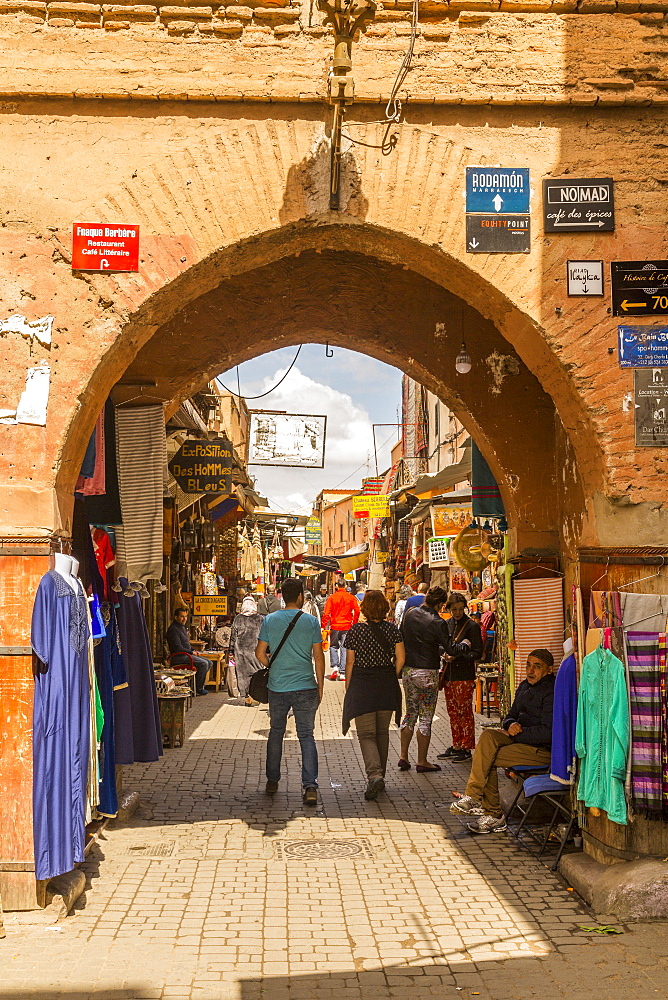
(393, 108)
(269, 391)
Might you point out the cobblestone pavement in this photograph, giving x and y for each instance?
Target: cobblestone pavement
(199, 898)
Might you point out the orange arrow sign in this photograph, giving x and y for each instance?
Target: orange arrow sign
(632, 305)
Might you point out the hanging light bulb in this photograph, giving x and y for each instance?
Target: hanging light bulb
(463, 363)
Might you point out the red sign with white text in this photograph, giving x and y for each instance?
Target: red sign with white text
(97, 246)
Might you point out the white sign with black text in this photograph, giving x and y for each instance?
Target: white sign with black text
(585, 277)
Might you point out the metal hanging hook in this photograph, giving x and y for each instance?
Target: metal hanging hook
(329, 353)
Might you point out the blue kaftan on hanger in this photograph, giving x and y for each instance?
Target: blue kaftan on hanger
(61, 726)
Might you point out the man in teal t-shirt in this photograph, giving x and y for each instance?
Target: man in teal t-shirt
(293, 684)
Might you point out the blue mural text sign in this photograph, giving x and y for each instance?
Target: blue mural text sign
(643, 346)
(497, 189)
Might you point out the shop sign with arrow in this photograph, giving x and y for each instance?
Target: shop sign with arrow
(585, 277)
(202, 466)
(643, 346)
(639, 287)
(498, 234)
(651, 407)
(578, 205)
(497, 189)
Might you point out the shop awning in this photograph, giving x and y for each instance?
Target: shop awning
(422, 509)
(445, 479)
(352, 559)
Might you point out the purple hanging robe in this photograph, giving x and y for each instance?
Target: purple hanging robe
(138, 733)
(61, 723)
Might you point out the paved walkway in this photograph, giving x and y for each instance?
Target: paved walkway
(205, 895)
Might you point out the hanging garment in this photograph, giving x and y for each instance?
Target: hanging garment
(88, 464)
(538, 607)
(247, 558)
(106, 508)
(646, 655)
(485, 495)
(137, 731)
(563, 722)
(111, 677)
(603, 734)
(245, 632)
(61, 726)
(93, 484)
(605, 609)
(92, 773)
(645, 612)
(105, 557)
(142, 467)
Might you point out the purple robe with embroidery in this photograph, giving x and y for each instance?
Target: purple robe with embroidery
(61, 726)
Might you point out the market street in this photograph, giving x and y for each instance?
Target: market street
(198, 896)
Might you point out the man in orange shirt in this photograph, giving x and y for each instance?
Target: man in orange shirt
(341, 611)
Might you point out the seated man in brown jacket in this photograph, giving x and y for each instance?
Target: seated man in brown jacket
(525, 737)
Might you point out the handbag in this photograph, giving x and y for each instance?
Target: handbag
(258, 688)
(444, 673)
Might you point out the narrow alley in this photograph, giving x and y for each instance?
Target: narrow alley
(215, 891)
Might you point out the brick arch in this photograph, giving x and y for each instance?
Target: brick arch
(384, 309)
(200, 229)
(390, 210)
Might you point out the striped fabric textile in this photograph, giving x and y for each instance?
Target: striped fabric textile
(538, 615)
(646, 656)
(141, 452)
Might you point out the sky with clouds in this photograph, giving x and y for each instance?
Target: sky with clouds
(354, 391)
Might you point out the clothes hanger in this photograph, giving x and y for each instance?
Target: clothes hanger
(604, 573)
(538, 565)
(140, 395)
(642, 579)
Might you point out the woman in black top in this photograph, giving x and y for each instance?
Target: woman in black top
(374, 659)
(425, 637)
(464, 649)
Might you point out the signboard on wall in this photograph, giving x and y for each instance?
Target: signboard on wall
(371, 506)
(584, 277)
(643, 346)
(498, 234)
(313, 531)
(651, 407)
(497, 189)
(202, 466)
(209, 605)
(98, 246)
(639, 287)
(292, 439)
(578, 205)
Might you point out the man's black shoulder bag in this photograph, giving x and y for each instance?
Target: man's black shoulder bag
(258, 688)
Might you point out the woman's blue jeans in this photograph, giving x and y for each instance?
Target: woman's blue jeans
(304, 704)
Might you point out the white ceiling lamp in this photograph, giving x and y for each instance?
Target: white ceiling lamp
(463, 363)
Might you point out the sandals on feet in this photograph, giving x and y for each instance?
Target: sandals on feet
(421, 768)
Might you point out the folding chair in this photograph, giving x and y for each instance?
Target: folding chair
(559, 796)
(522, 772)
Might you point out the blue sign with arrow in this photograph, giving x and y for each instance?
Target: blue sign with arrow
(497, 189)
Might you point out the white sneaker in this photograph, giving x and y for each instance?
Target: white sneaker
(488, 824)
(466, 806)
